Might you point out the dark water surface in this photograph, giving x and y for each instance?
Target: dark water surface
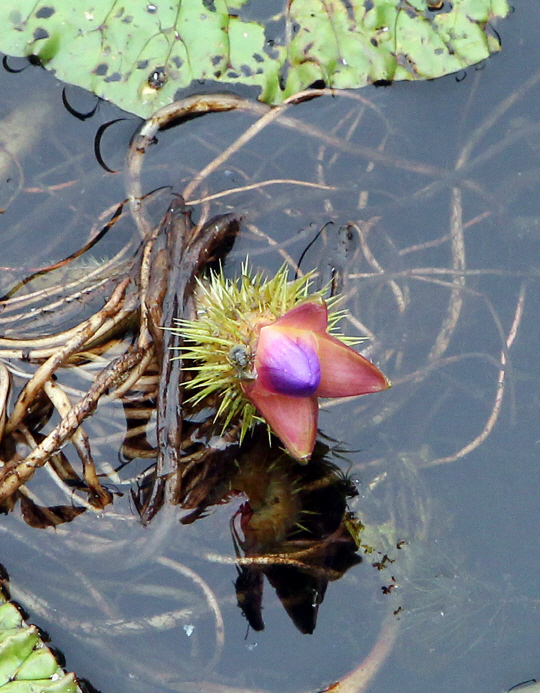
(467, 580)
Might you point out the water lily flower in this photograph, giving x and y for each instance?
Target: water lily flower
(269, 350)
(296, 362)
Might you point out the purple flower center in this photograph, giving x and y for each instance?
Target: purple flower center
(289, 366)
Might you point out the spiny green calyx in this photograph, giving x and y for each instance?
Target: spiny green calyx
(222, 340)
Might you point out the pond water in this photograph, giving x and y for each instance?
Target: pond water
(436, 247)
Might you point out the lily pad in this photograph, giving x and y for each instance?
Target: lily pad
(140, 54)
(27, 665)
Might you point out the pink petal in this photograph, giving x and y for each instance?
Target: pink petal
(345, 372)
(307, 316)
(293, 419)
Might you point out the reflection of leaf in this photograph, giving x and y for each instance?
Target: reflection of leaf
(138, 54)
(40, 517)
(26, 664)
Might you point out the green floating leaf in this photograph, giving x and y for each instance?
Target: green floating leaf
(139, 54)
(26, 664)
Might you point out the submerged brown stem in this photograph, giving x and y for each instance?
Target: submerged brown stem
(458, 280)
(210, 598)
(197, 104)
(359, 679)
(499, 394)
(215, 103)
